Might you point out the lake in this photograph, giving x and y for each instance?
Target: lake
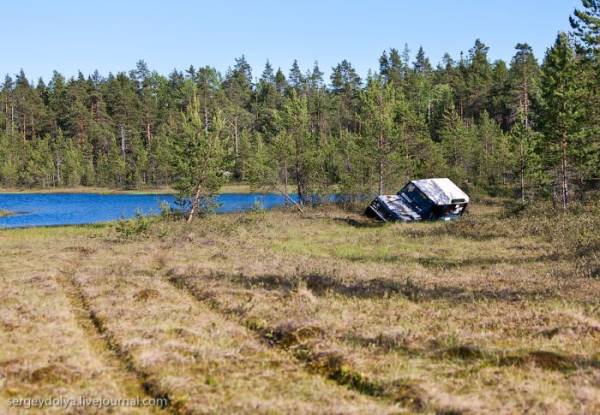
(51, 209)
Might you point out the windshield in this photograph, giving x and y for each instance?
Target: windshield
(416, 198)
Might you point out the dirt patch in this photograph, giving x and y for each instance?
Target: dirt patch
(54, 374)
(292, 333)
(146, 294)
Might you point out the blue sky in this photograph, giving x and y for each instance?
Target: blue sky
(40, 36)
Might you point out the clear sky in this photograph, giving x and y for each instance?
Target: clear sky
(111, 35)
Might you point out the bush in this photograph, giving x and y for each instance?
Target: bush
(573, 234)
(127, 229)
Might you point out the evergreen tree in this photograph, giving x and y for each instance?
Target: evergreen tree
(527, 164)
(421, 64)
(586, 31)
(586, 26)
(345, 86)
(238, 118)
(380, 120)
(304, 159)
(295, 78)
(524, 83)
(478, 78)
(200, 159)
(561, 111)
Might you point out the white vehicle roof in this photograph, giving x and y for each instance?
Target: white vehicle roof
(441, 191)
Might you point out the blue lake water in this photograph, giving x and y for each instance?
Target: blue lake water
(39, 209)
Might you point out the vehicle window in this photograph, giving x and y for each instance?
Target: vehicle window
(416, 197)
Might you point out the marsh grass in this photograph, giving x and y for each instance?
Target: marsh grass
(323, 312)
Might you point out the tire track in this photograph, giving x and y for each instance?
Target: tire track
(225, 368)
(332, 366)
(108, 350)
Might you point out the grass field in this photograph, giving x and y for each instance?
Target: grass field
(326, 312)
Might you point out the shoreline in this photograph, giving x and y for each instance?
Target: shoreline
(233, 188)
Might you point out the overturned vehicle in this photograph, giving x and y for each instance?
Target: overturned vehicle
(426, 199)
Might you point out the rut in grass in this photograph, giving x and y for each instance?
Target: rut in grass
(332, 365)
(293, 337)
(130, 377)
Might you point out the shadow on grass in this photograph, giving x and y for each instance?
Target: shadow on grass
(439, 262)
(466, 228)
(322, 285)
(362, 223)
(380, 287)
(548, 360)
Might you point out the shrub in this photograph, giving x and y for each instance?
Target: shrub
(573, 234)
(127, 229)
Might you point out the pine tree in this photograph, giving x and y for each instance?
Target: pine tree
(8, 105)
(384, 66)
(478, 77)
(457, 143)
(397, 66)
(380, 113)
(586, 32)
(526, 164)
(345, 86)
(586, 26)
(524, 82)
(239, 92)
(315, 78)
(268, 75)
(304, 159)
(295, 77)
(280, 81)
(561, 111)
(421, 64)
(499, 102)
(200, 158)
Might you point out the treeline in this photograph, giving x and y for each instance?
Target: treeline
(521, 127)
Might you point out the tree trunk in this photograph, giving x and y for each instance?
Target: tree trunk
(522, 172)
(381, 183)
(236, 148)
(237, 141)
(285, 176)
(122, 135)
(563, 167)
(299, 183)
(195, 202)
(205, 107)
(58, 167)
(526, 104)
(381, 165)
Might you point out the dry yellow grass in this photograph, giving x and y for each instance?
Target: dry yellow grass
(49, 348)
(274, 312)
